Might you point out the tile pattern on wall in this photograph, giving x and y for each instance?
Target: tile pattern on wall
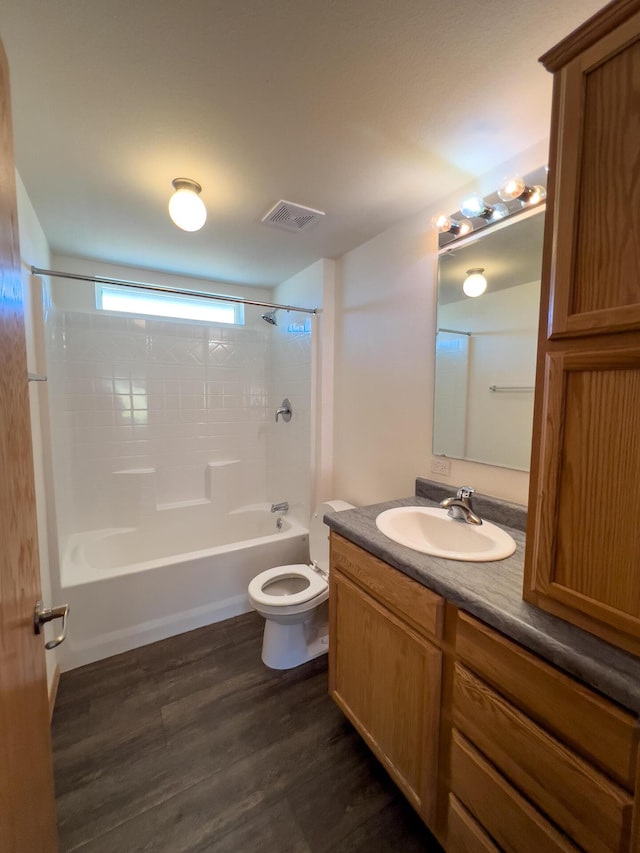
(153, 396)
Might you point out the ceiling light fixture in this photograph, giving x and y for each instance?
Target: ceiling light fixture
(456, 227)
(515, 189)
(475, 283)
(186, 208)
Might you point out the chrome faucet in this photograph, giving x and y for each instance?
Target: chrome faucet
(281, 507)
(460, 507)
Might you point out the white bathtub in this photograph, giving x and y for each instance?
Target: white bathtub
(180, 570)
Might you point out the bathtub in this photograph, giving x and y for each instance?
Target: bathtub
(180, 569)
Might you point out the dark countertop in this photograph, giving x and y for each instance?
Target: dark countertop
(493, 593)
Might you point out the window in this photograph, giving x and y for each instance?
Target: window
(187, 306)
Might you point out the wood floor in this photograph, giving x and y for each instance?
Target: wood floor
(192, 744)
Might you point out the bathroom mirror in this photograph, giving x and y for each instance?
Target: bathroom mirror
(486, 345)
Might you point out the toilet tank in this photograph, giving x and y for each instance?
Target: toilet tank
(319, 532)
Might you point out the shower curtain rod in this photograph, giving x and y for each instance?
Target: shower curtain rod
(140, 285)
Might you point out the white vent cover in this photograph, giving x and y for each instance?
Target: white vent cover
(291, 217)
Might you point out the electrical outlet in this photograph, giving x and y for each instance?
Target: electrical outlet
(440, 465)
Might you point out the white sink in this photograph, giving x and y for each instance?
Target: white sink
(431, 531)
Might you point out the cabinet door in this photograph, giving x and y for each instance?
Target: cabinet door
(386, 679)
(595, 216)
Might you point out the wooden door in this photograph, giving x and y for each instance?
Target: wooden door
(386, 679)
(27, 813)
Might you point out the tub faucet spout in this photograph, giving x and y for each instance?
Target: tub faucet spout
(281, 507)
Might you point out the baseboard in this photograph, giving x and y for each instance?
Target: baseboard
(53, 690)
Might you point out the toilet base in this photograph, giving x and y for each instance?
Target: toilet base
(286, 646)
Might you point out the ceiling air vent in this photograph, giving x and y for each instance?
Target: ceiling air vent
(291, 217)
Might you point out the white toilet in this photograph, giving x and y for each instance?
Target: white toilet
(294, 600)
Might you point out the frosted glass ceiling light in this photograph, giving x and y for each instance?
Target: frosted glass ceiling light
(515, 189)
(475, 283)
(186, 208)
(458, 228)
(473, 205)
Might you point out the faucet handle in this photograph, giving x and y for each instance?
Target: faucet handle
(464, 492)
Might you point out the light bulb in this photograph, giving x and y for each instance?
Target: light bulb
(539, 194)
(442, 223)
(446, 225)
(473, 205)
(499, 212)
(186, 208)
(512, 188)
(475, 283)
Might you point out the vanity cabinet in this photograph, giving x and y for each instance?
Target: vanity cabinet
(385, 668)
(538, 760)
(583, 537)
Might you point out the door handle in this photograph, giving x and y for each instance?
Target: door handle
(42, 615)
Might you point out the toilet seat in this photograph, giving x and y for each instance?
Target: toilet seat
(317, 585)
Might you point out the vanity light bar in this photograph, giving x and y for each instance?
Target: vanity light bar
(514, 195)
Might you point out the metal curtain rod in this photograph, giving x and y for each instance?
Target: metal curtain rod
(140, 285)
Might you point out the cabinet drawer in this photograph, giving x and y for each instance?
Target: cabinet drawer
(574, 795)
(593, 726)
(514, 823)
(464, 835)
(407, 598)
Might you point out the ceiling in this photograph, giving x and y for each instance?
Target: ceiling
(365, 109)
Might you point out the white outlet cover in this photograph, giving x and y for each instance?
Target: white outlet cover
(440, 465)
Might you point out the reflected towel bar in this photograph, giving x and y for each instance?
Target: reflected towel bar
(501, 388)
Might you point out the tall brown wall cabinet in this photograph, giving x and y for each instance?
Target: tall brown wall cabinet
(583, 543)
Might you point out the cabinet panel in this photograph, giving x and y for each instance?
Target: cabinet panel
(573, 794)
(412, 602)
(515, 825)
(595, 727)
(596, 210)
(464, 834)
(583, 550)
(386, 678)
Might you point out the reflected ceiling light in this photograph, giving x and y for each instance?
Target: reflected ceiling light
(474, 205)
(515, 189)
(456, 227)
(186, 208)
(475, 283)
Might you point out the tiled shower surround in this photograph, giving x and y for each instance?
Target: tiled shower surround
(149, 412)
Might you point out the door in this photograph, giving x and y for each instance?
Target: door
(27, 812)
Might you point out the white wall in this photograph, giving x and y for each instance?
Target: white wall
(384, 371)
(34, 251)
(302, 452)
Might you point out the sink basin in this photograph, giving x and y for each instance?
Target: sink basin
(431, 531)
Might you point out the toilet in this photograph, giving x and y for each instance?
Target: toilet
(294, 600)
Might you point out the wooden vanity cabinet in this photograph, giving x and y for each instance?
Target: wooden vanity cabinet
(583, 537)
(385, 669)
(538, 760)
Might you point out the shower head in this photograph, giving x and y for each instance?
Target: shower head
(270, 317)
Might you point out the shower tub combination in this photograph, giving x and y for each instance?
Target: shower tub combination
(183, 567)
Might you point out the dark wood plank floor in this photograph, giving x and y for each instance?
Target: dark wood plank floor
(192, 744)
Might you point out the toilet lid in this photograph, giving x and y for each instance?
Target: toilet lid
(317, 585)
(319, 533)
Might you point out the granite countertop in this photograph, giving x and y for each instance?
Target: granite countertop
(493, 592)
